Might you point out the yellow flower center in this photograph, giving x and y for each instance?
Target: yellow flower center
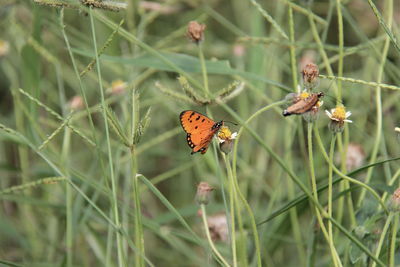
(339, 113)
(304, 95)
(224, 133)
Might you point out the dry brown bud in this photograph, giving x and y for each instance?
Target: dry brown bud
(394, 202)
(203, 193)
(310, 75)
(195, 31)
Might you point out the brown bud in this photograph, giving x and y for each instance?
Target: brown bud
(203, 193)
(310, 75)
(195, 31)
(394, 202)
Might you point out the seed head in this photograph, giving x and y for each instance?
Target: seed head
(195, 31)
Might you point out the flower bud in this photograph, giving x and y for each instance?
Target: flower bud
(394, 202)
(195, 31)
(310, 76)
(203, 193)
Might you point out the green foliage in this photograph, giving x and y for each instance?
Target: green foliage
(98, 172)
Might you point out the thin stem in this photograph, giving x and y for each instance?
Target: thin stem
(382, 237)
(292, 49)
(330, 185)
(110, 159)
(252, 220)
(378, 101)
(352, 180)
(203, 70)
(232, 196)
(335, 257)
(139, 239)
(341, 41)
(214, 249)
(392, 248)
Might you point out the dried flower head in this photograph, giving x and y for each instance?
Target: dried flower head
(310, 76)
(195, 31)
(203, 193)
(354, 158)
(117, 87)
(394, 202)
(76, 103)
(338, 117)
(225, 138)
(4, 48)
(218, 226)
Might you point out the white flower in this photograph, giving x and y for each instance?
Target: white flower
(339, 114)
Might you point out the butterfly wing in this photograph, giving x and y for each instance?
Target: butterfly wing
(200, 130)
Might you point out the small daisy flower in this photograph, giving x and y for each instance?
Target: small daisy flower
(117, 87)
(338, 117)
(225, 138)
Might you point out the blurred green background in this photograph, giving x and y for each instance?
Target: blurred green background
(43, 144)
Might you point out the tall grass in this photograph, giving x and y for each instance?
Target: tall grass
(108, 179)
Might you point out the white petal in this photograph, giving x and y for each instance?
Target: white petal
(348, 114)
(234, 135)
(348, 121)
(220, 140)
(328, 113)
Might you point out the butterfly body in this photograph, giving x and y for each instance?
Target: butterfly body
(199, 130)
(301, 106)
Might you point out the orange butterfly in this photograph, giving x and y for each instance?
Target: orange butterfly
(200, 130)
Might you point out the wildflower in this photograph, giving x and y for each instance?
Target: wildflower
(354, 158)
(4, 48)
(394, 202)
(310, 76)
(397, 129)
(338, 117)
(117, 87)
(195, 31)
(225, 138)
(76, 103)
(203, 193)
